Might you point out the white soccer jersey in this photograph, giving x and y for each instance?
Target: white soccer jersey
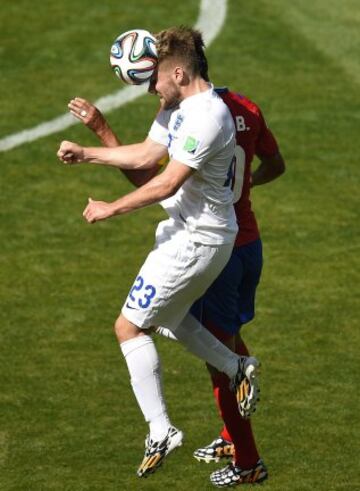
(200, 133)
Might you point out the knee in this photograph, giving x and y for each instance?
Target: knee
(125, 330)
(117, 329)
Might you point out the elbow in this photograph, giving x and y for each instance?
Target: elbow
(146, 163)
(148, 156)
(280, 165)
(281, 169)
(168, 188)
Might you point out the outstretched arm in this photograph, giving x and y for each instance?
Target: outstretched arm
(142, 155)
(160, 187)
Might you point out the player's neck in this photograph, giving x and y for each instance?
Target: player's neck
(195, 86)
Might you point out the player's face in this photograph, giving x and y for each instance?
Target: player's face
(164, 85)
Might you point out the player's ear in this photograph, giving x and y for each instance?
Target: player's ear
(180, 75)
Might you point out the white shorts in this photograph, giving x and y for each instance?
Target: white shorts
(175, 274)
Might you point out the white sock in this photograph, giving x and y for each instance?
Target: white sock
(145, 375)
(204, 345)
(164, 331)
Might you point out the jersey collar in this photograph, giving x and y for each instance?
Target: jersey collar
(191, 99)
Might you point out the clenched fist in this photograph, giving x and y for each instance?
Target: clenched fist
(97, 210)
(70, 153)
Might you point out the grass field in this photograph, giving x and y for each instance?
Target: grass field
(68, 419)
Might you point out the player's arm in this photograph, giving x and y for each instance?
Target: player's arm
(160, 187)
(272, 164)
(270, 168)
(144, 155)
(93, 119)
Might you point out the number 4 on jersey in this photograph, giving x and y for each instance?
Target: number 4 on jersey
(235, 177)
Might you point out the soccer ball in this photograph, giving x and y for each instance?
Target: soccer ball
(133, 56)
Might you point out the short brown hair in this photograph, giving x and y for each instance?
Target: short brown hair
(184, 44)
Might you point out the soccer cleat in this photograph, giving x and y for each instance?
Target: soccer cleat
(245, 385)
(155, 452)
(218, 449)
(231, 475)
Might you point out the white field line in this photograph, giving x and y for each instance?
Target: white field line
(210, 21)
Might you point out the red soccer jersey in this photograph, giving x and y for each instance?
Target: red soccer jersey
(253, 137)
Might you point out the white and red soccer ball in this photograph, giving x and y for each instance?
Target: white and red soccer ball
(133, 56)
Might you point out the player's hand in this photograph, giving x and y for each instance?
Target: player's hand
(70, 153)
(97, 210)
(87, 113)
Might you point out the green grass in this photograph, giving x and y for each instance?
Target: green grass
(68, 419)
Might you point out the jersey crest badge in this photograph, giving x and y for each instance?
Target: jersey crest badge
(178, 121)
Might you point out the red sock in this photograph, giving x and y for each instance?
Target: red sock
(236, 429)
(240, 349)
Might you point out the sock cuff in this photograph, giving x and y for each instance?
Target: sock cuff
(133, 344)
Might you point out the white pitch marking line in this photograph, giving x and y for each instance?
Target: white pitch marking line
(210, 21)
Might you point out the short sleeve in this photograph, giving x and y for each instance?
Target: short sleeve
(159, 129)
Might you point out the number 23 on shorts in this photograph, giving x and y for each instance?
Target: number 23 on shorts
(141, 293)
